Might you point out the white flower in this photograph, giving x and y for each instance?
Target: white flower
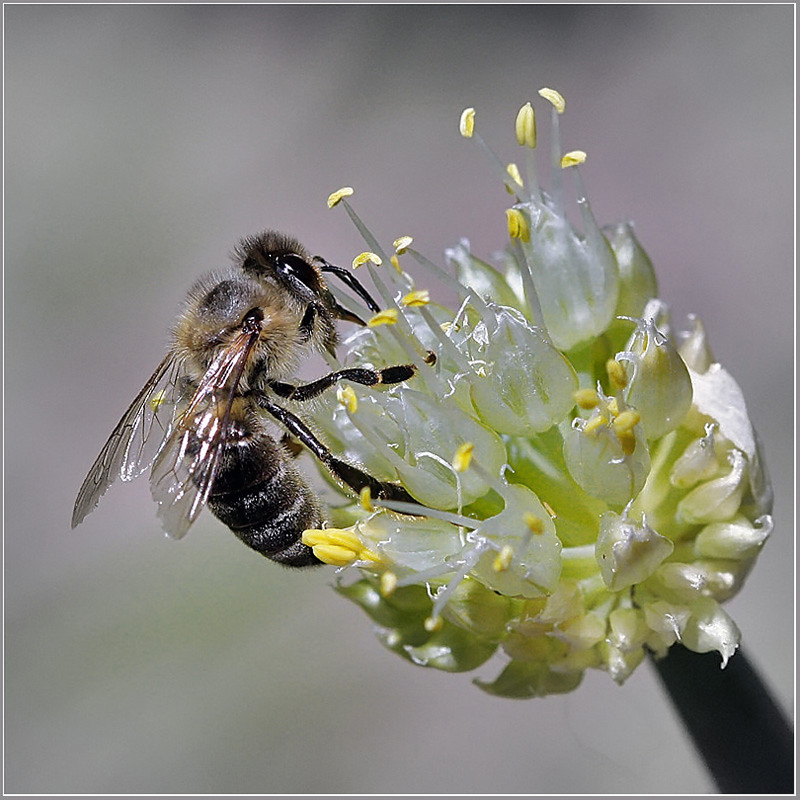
(588, 485)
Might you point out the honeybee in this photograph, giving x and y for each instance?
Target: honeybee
(201, 424)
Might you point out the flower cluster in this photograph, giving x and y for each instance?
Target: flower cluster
(588, 484)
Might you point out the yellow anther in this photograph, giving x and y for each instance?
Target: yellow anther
(502, 561)
(334, 555)
(420, 297)
(340, 537)
(387, 317)
(612, 406)
(513, 171)
(626, 420)
(395, 262)
(573, 158)
(555, 98)
(616, 374)
(334, 198)
(549, 509)
(534, 523)
(337, 546)
(158, 399)
(445, 326)
(586, 398)
(314, 536)
(388, 583)
(525, 126)
(401, 244)
(365, 498)
(594, 424)
(369, 555)
(347, 397)
(466, 125)
(463, 457)
(433, 624)
(517, 225)
(363, 258)
(623, 426)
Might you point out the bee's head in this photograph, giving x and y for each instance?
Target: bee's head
(281, 260)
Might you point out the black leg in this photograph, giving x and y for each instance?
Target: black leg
(351, 476)
(307, 323)
(347, 316)
(351, 280)
(366, 377)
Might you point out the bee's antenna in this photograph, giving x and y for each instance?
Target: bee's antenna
(347, 277)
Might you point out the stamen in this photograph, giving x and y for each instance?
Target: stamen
(420, 297)
(518, 227)
(534, 523)
(525, 126)
(555, 98)
(463, 457)
(333, 199)
(573, 158)
(347, 397)
(388, 583)
(466, 125)
(594, 424)
(401, 244)
(586, 398)
(626, 420)
(386, 317)
(417, 510)
(334, 555)
(365, 499)
(502, 561)
(366, 235)
(617, 376)
(367, 257)
(513, 171)
(467, 129)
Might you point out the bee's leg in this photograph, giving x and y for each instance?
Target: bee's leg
(347, 277)
(291, 445)
(347, 316)
(366, 377)
(307, 323)
(351, 476)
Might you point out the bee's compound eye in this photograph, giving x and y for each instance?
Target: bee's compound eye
(293, 266)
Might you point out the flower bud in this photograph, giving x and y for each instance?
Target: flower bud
(717, 499)
(628, 553)
(737, 538)
(660, 388)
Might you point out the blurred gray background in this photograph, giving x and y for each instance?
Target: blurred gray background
(141, 142)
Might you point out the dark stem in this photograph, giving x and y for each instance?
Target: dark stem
(741, 732)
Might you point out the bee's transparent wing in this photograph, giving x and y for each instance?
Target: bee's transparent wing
(184, 470)
(137, 439)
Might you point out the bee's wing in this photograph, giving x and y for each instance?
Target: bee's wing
(137, 438)
(185, 467)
